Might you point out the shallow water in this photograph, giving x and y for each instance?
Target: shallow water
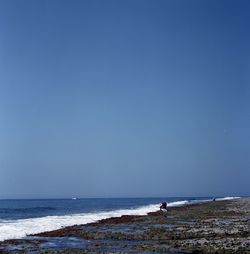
(64, 243)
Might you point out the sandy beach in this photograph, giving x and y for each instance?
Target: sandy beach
(213, 227)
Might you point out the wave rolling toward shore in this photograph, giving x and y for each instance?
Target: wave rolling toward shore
(18, 228)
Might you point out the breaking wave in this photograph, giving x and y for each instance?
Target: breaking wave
(11, 229)
(226, 198)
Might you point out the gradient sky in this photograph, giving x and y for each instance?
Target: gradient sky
(124, 98)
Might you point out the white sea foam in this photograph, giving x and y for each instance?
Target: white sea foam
(178, 203)
(226, 198)
(12, 229)
(19, 228)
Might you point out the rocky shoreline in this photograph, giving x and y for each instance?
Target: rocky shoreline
(213, 227)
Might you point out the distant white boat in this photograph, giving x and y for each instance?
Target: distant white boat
(74, 198)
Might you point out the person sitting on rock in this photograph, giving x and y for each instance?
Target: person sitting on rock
(163, 206)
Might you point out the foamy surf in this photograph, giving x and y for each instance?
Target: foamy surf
(178, 203)
(13, 229)
(226, 198)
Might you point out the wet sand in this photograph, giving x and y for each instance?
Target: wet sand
(213, 227)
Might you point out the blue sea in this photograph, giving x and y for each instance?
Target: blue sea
(19, 218)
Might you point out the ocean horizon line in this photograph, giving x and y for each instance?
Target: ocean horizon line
(128, 197)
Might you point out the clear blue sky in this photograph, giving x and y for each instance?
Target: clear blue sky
(124, 98)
